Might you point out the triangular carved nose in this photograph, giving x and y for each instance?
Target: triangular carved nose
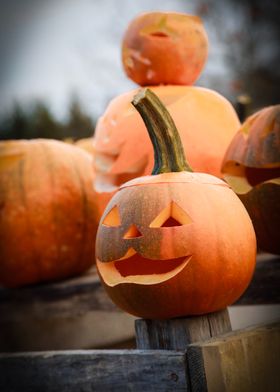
(132, 232)
(171, 222)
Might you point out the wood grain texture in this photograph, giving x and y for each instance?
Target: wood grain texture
(243, 361)
(87, 371)
(177, 334)
(219, 323)
(196, 370)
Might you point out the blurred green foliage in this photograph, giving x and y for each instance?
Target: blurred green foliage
(39, 122)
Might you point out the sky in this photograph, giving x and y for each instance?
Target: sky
(54, 50)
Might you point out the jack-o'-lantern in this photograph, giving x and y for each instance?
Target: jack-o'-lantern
(174, 243)
(47, 211)
(164, 48)
(252, 167)
(205, 120)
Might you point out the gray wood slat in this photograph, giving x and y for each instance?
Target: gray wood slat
(94, 370)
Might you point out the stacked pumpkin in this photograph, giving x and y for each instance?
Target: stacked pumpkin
(166, 51)
(175, 243)
(47, 211)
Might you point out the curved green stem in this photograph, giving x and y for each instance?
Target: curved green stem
(168, 150)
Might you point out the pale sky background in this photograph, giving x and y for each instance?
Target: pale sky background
(53, 49)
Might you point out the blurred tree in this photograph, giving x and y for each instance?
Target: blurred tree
(79, 124)
(15, 124)
(250, 36)
(40, 123)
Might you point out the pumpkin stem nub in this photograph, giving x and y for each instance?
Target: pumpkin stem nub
(168, 149)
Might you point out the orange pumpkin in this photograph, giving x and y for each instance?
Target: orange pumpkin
(47, 211)
(205, 120)
(252, 167)
(86, 144)
(175, 243)
(164, 48)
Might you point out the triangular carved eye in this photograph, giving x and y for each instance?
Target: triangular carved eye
(112, 219)
(132, 232)
(171, 216)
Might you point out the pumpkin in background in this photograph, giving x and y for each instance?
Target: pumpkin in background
(205, 120)
(47, 211)
(252, 168)
(175, 243)
(86, 144)
(164, 48)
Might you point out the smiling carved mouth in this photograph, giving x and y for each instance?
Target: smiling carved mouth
(134, 268)
(138, 265)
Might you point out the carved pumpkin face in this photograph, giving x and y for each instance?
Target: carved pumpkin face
(252, 167)
(205, 120)
(169, 245)
(164, 48)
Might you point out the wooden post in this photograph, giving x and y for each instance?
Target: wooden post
(245, 361)
(177, 334)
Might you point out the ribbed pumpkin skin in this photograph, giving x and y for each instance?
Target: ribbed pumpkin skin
(86, 144)
(47, 211)
(256, 145)
(262, 204)
(164, 48)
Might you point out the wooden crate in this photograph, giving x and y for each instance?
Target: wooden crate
(243, 361)
(188, 354)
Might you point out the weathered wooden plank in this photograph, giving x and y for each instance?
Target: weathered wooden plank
(264, 287)
(177, 334)
(87, 371)
(196, 369)
(243, 361)
(66, 298)
(71, 314)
